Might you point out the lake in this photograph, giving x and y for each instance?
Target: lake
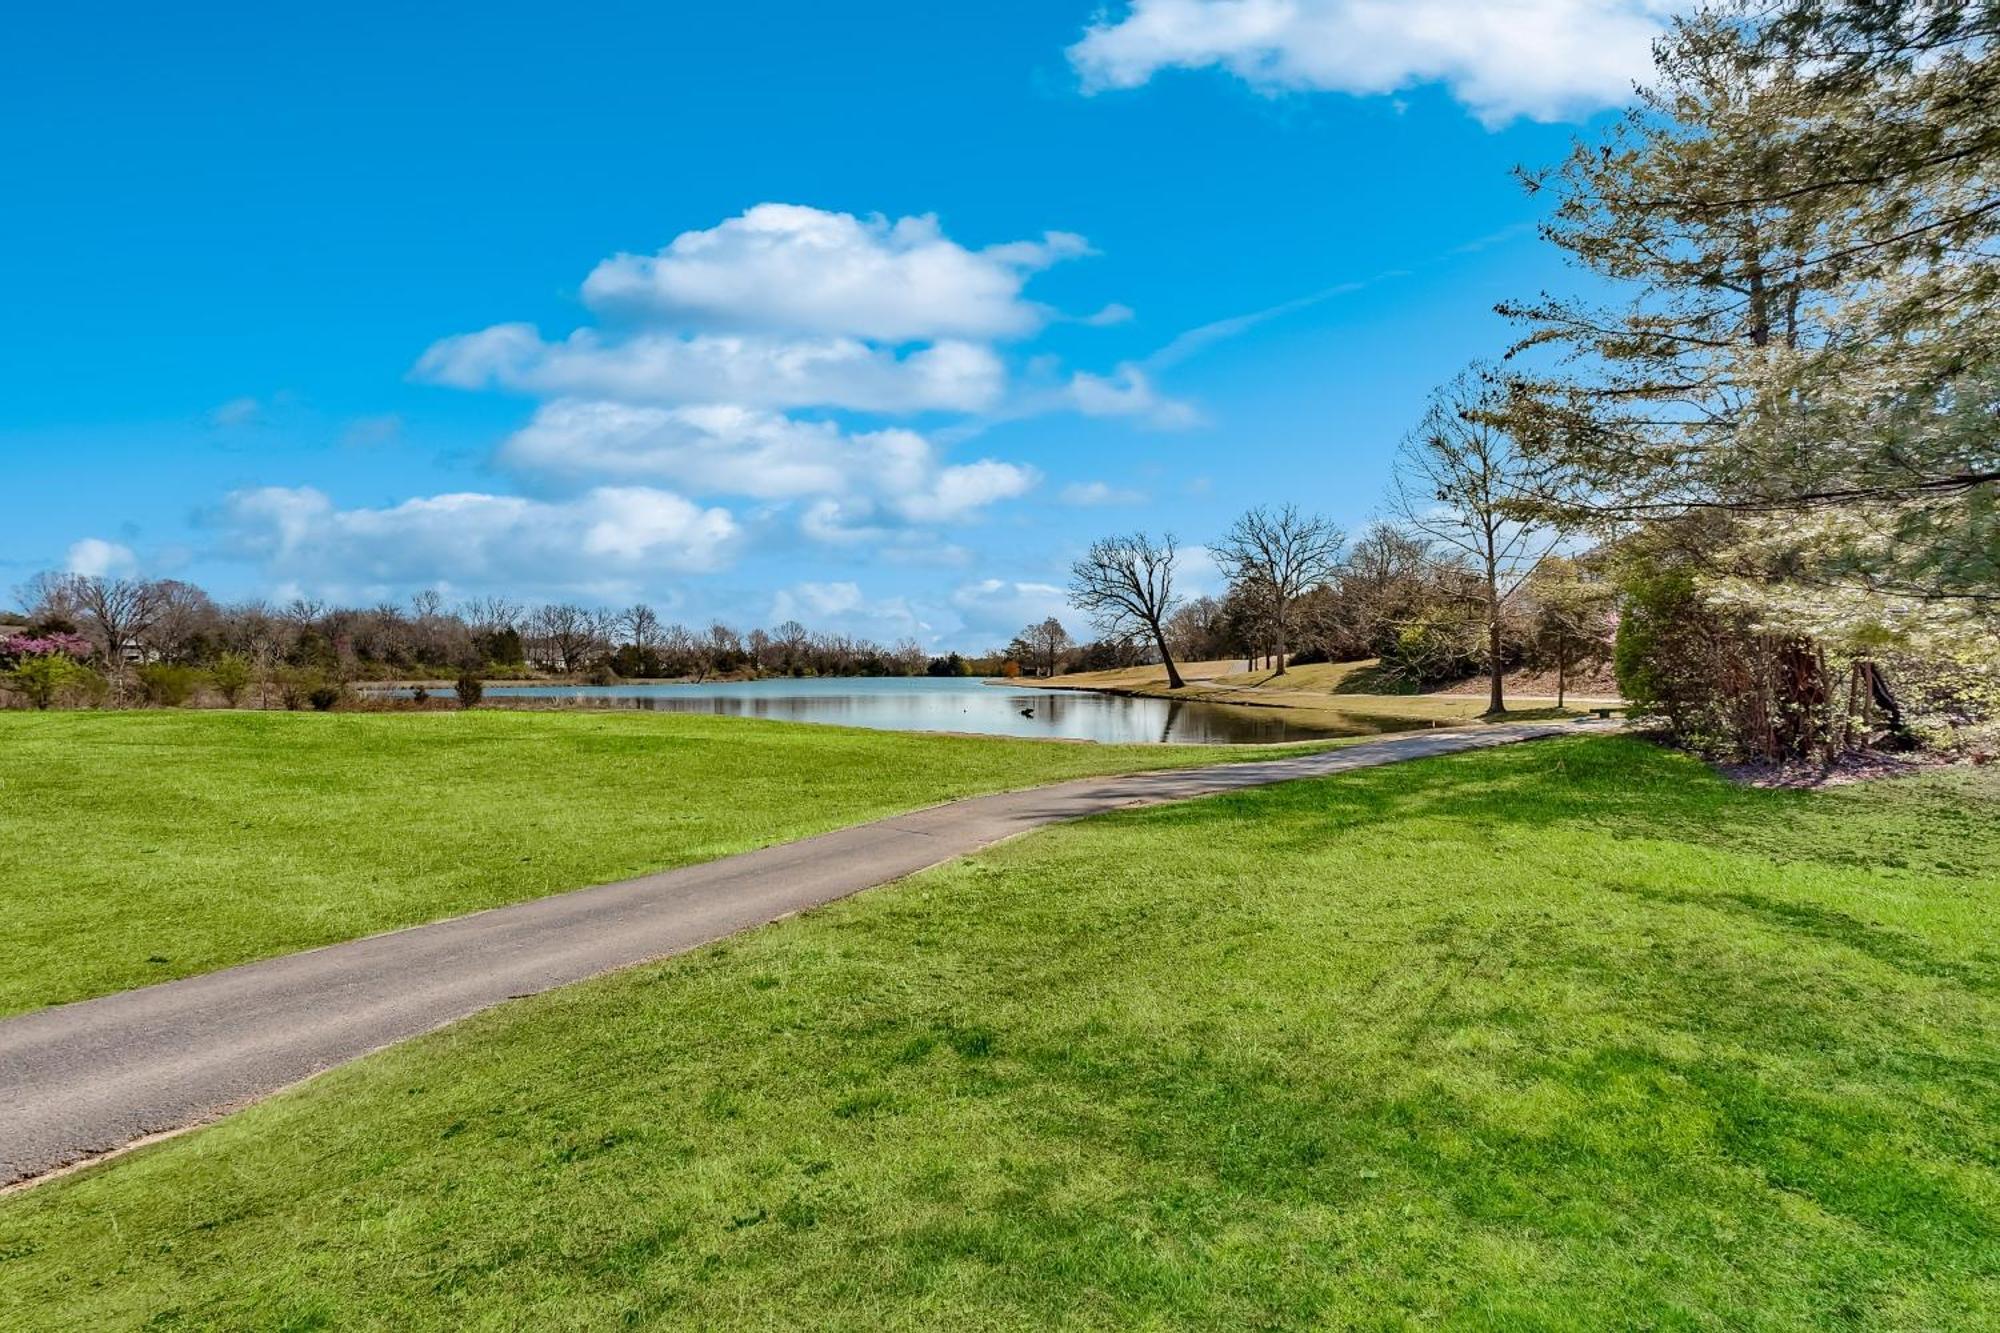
(949, 704)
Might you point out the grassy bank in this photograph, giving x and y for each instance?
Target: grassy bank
(1572, 1035)
(140, 846)
(1334, 695)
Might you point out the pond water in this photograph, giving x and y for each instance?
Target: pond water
(960, 704)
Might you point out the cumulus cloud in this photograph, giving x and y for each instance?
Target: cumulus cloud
(1096, 494)
(474, 538)
(706, 347)
(1504, 59)
(860, 480)
(843, 607)
(998, 608)
(96, 558)
(786, 268)
(665, 367)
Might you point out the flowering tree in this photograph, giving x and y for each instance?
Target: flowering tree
(17, 647)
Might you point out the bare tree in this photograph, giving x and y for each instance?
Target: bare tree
(792, 640)
(563, 635)
(117, 612)
(49, 599)
(490, 615)
(1046, 643)
(1460, 481)
(182, 616)
(1196, 629)
(909, 657)
(640, 625)
(1278, 555)
(305, 613)
(1126, 586)
(681, 654)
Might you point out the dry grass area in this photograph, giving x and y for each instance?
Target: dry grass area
(1329, 693)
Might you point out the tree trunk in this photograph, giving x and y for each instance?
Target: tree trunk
(1174, 681)
(1562, 663)
(1495, 702)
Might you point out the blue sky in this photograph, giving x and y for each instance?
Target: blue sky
(872, 315)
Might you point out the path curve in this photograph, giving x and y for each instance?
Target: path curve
(80, 1080)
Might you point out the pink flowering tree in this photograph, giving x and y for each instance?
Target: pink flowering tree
(17, 647)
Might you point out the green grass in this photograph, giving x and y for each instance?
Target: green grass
(1569, 1035)
(141, 846)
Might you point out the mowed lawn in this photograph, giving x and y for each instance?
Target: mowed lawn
(1566, 1035)
(141, 846)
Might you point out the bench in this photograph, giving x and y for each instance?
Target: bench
(1604, 713)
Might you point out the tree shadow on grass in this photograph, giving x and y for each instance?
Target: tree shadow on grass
(1939, 823)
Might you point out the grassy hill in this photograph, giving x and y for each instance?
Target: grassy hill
(141, 846)
(1571, 1035)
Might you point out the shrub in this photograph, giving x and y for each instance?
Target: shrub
(601, 674)
(44, 677)
(1433, 648)
(292, 688)
(167, 686)
(323, 697)
(420, 696)
(469, 688)
(231, 676)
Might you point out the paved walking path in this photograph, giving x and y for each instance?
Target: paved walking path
(83, 1079)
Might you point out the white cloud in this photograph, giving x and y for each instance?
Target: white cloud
(860, 480)
(1542, 59)
(790, 269)
(706, 345)
(998, 608)
(471, 538)
(842, 607)
(1128, 392)
(754, 371)
(235, 412)
(1096, 494)
(94, 557)
(817, 599)
(1115, 313)
(1197, 573)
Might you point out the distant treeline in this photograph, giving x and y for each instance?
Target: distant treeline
(161, 640)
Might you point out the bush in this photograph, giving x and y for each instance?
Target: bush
(46, 677)
(323, 696)
(470, 689)
(292, 687)
(1433, 648)
(231, 676)
(166, 686)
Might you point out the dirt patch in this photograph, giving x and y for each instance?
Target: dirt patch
(1582, 684)
(1863, 766)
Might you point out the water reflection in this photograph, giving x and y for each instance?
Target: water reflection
(924, 704)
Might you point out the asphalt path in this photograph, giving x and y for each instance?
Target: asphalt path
(81, 1080)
